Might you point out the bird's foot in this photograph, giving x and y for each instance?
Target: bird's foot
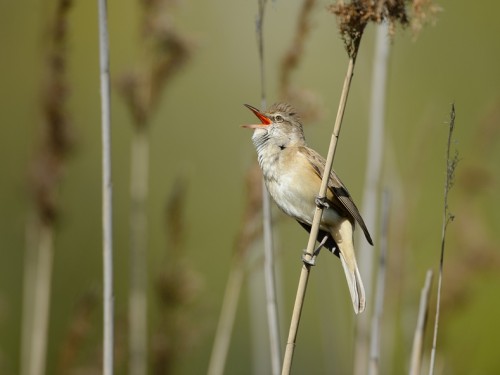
(322, 202)
(308, 259)
(312, 258)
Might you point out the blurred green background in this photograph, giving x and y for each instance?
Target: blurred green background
(196, 134)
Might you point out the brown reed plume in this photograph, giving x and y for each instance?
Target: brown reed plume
(57, 135)
(293, 55)
(166, 51)
(46, 177)
(307, 103)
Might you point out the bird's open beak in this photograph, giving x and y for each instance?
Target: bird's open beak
(265, 120)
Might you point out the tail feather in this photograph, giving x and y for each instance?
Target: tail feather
(355, 285)
(343, 237)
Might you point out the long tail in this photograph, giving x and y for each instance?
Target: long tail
(343, 236)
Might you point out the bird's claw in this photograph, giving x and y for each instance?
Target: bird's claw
(308, 262)
(322, 202)
(312, 257)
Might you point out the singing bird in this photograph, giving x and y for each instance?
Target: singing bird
(292, 173)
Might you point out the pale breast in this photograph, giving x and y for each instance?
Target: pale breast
(294, 185)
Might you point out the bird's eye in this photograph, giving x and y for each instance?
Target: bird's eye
(278, 118)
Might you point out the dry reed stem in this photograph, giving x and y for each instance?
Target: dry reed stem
(304, 275)
(107, 190)
(374, 363)
(418, 338)
(451, 164)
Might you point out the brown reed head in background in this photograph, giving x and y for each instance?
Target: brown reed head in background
(57, 136)
(166, 52)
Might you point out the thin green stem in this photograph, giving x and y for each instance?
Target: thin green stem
(447, 218)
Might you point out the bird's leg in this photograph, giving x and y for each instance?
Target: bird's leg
(312, 261)
(322, 202)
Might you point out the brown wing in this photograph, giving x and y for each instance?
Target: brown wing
(338, 189)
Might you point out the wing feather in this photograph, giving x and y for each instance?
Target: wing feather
(338, 190)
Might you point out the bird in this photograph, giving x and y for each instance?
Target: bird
(292, 173)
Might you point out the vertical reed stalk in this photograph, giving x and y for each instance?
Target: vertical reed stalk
(271, 299)
(138, 308)
(374, 364)
(29, 277)
(371, 194)
(107, 203)
(270, 282)
(220, 347)
(43, 277)
(451, 163)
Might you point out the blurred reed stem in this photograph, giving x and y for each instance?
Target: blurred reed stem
(223, 334)
(176, 288)
(250, 230)
(42, 278)
(107, 189)
(418, 338)
(29, 277)
(270, 281)
(374, 364)
(138, 307)
(269, 261)
(371, 195)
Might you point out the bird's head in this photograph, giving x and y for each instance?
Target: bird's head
(280, 124)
